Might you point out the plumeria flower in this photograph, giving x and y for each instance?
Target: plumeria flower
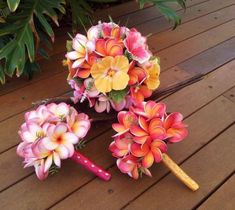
(79, 124)
(81, 46)
(145, 130)
(78, 90)
(150, 109)
(60, 140)
(139, 93)
(39, 166)
(137, 47)
(59, 110)
(121, 145)
(111, 74)
(175, 129)
(109, 47)
(39, 115)
(125, 121)
(102, 104)
(129, 165)
(149, 152)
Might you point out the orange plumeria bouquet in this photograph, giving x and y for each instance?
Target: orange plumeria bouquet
(111, 67)
(143, 133)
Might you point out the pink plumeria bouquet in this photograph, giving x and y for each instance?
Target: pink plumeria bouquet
(142, 136)
(111, 67)
(52, 133)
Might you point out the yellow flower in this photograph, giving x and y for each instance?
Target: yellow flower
(111, 73)
(153, 71)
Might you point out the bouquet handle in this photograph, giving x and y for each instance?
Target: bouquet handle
(179, 173)
(91, 166)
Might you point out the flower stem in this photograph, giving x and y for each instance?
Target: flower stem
(90, 166)
(179, 173)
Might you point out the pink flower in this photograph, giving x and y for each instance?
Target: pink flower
(49, 135)
(149, 109)
(137, 47)
(40, 169)
(175, 129)
(79, 124)
(60, 140)
(102, 104)
(121, 145)
(125, 121)
(129, 165)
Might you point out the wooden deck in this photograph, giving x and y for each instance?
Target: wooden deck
(204, 43)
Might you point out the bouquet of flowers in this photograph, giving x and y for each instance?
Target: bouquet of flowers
(142, 136)
(52, 133)
(111, 67)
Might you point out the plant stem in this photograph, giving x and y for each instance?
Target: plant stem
(179, 173)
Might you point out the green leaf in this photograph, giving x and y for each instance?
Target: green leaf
(21, 28)
(117, 95)
(13, 4)
(2, 75)
(165, 8)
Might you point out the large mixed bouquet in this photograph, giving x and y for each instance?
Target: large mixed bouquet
(111, 67)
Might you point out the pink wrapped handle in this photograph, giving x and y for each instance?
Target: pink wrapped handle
(90, 166)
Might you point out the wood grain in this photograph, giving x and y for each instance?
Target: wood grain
(205, 165)
(223, 198)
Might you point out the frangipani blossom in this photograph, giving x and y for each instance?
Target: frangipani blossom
(117, 59)
(139, 93)
(175, 129)
(82, 46)
(111, 74)
(109, 47)
(137, 47)
(142, 141)
(150, 109)
(49, 135)
(125, 121)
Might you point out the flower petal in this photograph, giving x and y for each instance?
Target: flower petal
(137, 131)
(148, 160)
(139, 150)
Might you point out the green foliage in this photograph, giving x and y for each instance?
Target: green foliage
(26, 29)
(165, 8)
(118, 95)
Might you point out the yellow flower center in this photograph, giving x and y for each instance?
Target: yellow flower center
(111, 72)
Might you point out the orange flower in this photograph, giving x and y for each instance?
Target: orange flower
(108, 47)
(139, 93)
(111, 73)
(136, 75)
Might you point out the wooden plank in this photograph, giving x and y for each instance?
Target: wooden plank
(223, 198)
(123, 189)
(49, 68)
(210, 166)
(151, 13)
(224, 52)
(190, 47)
(103, 156)
(163, 40)
(21, 99)
(10, 162)
(230, 94)
(194, 12)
